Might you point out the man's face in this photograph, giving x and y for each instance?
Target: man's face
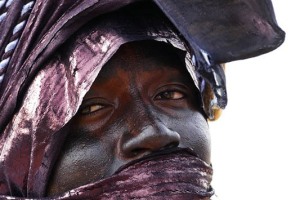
(143, 101)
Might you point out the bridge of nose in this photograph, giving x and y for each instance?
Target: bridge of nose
(146, 132)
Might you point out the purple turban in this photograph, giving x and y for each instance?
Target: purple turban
(41, 91)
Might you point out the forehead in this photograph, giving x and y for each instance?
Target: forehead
(145, 56)
(141, 64)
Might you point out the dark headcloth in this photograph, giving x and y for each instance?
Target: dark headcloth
(214, 31)
(217, 31)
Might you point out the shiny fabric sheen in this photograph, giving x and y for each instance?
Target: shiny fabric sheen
(30, 138)
(184, 177)
(38, 97)
(37, 131)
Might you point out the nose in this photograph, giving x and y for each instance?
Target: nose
(153, 137)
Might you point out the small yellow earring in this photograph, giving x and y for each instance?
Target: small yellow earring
(209, 102)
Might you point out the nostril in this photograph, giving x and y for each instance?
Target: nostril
(150, 139)
(171, 145)
(138, 151)
(141, 151)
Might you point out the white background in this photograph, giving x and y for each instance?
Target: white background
(256, 142)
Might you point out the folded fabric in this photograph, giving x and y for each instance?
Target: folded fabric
(39, 95)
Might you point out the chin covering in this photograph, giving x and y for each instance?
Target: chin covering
(44, 77)
(184, 177)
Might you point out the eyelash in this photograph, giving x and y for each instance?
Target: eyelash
(91, 106)
(84, 110)
(168, 92)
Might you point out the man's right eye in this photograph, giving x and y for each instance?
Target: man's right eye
(91, 108)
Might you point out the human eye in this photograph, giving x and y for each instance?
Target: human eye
(170, 95)
(92, 106)
(88, 109)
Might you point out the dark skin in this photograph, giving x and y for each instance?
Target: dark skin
(143, 101)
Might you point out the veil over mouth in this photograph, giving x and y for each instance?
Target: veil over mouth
(38, 96)
(184, 176)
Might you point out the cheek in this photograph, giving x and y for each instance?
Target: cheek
(194, 133)
(89, 159)
(83, 160)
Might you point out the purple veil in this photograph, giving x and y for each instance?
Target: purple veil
(39, 96)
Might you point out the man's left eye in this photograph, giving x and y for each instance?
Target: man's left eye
(169, 95)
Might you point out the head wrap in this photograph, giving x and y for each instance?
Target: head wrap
(38, 97)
